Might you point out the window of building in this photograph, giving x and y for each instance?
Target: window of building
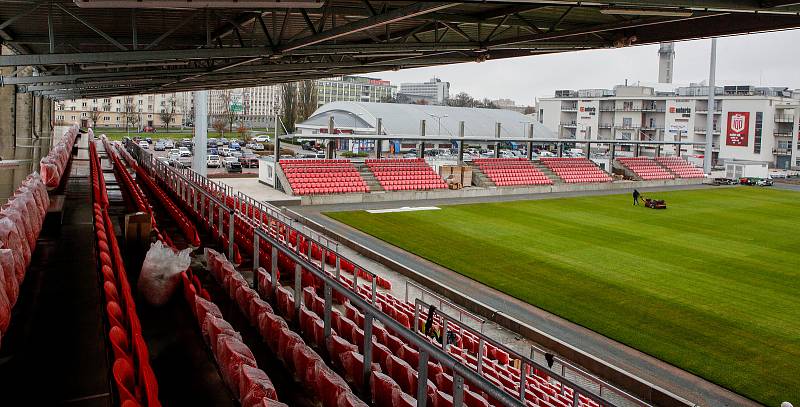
(759, 126)
(627, 122)
(626, 135)
(627, 105)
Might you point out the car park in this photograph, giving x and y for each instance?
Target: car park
(149, 140)
(249, 160)
(234, 167)
(213, 161)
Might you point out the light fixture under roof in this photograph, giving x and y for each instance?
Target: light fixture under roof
(195, 4)
(659, 12)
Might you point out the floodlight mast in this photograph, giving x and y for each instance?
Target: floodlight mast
(708, 153)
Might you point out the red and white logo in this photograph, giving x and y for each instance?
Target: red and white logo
(737, 123)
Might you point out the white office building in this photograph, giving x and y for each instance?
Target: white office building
(434, 89)
(750, 123)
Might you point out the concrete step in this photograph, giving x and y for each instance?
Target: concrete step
(368, 177)
(480, 179)
(550, 174)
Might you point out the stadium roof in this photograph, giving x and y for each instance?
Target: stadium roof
(97, 48)
(403, 120)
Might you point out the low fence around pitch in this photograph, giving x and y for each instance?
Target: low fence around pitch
(271, 225)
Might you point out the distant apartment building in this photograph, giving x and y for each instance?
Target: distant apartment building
(354, 89)
(433, 89)
(138, 111)
(750, 123)
(509, 104)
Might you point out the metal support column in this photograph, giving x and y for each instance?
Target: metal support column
(530, 143)
(422, 138)
(379, 142)
(497, 127)
(461, 143)
(200, 132)
(330, 147)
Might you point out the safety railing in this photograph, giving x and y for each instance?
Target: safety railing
(427, 350)
(603, 390)
(271, 225)
(199, 198)
(444, 302)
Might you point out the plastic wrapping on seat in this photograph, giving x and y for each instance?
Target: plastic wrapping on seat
(232, 353)
(203, 307)
(12, 237)
(306, 362)
(213, 327)
(287, 340)
(348, 399)
(401, 372)
(244, 295)
(258, 307)
(270, 326)
(5, 303)
(8, 267)
(266, 402)
(329, 386)
(254, 385)
(125, 381)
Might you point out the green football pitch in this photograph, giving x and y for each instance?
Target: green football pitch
(711, 285)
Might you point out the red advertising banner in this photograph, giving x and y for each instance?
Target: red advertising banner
(738, 129)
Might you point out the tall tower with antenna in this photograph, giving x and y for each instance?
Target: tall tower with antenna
(666, 58)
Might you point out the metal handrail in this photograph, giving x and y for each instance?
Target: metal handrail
(426, 349)
(444, 301)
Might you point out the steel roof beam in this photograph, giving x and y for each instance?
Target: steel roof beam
(151, 55)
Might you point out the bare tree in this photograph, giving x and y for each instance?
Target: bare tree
(227, 108)
(219, 125)
(307, 98)
(289, 100)
(168, 112)
(130, 114)
(94, 115)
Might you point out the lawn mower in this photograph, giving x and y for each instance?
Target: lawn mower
(655, 203)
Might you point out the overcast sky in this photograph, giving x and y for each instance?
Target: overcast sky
(768, 59)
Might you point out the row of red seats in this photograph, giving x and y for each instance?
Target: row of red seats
(575, 170)
(139, 199)
(133, 376)
(313, 177)
(645, 168)
(53, 165)
(402, 174)
(512, 171)
(187, 228)
(203, 203)
(21, 219)
(309, 368)
(305, 161)
(237, 365)
(681, 167)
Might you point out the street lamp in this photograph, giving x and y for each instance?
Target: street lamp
(439, 120)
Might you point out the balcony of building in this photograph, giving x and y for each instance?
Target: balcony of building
(782, 151)
(782, 133)
(703, 130)
(568, 125)
(784, 119)
(605, 125)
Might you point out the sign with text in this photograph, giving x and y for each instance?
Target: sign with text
(738, 129)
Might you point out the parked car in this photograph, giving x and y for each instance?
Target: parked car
(234, 167)
(169, 144)
(764, 182)
(212, 151)
(255, 146)
(213, 161)
(223, 151)
(149, 129)
(261, 138)
(174, 159)
(149, 140)
(234, 145)
(249, 160)
(184, 152)
(143, 144)
(159, 146)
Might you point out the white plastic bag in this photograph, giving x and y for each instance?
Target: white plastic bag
(161, 272)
